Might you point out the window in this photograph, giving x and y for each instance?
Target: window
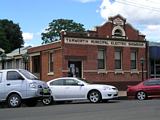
(0, 77)
(17, 63)
(28, 75)
(9, 64)
(152, 82)
(50, 62)
(133, 60)
(118, 32)
(57, 82)
(71, 82)
(101, 59)
(118, 59)
(13, 75)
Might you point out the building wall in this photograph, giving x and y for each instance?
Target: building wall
(88, 54)
(43, 51)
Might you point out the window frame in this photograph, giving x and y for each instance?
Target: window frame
(103, 60)
(18, 78)
(119, 60)
(118, 33)
(135, 60)
(51, 62)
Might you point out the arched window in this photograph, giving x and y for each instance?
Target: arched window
(117, 32)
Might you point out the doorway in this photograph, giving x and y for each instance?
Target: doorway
(75, 69)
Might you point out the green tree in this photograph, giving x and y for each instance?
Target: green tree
(10, 35)
(52, 33)
(4, 43)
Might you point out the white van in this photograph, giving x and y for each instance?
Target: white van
(18, 85)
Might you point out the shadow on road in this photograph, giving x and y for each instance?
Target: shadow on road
(3, 105)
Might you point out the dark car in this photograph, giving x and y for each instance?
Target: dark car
(146, 89)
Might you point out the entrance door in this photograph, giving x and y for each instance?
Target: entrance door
(75, 69)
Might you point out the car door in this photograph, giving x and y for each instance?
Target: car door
(15, 83)
(157, 87)
(58, 89)
(151, 87)
(2, 90)
(74, 90)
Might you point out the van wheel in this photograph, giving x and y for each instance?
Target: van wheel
(47, 101)
(14, 100)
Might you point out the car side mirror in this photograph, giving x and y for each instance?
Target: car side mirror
(80, 84)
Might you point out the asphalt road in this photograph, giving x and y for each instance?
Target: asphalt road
(113, 110)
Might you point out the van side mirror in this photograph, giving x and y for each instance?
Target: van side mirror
(21, 78)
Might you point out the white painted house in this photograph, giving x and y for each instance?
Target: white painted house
(16, 59)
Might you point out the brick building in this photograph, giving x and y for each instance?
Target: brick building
(109, 54)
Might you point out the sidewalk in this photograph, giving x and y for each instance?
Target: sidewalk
(122, 95)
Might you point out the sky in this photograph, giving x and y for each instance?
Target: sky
(33, 16)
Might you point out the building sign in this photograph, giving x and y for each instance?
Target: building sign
(82, 41)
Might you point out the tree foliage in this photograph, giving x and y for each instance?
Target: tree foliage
(10, 35)
(52, 33)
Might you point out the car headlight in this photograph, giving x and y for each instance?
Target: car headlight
(33, 85)
(107, 88)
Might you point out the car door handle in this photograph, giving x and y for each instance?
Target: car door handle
(8, 84)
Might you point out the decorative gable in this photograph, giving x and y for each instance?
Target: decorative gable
(117, 20)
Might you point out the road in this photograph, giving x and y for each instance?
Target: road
(113, 110)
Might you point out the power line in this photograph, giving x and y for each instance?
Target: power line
(139, 6)
(153, 1)
(147, 1)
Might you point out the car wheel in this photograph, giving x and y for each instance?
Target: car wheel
(141, 95)
(47, 101)
(94, 96)
(14, 100)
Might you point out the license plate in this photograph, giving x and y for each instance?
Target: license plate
(45, 91)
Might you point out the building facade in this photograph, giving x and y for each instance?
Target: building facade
(114, 53)
(154, 59)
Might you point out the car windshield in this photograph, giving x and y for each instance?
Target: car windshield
(28, 75)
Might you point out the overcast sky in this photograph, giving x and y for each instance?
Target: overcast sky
(33, 16)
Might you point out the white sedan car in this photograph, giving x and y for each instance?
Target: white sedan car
(69, 88)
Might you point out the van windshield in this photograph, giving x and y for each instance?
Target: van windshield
(28, 75)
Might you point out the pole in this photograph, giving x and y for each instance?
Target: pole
(142, 63)
(2, 64)
(142, 72)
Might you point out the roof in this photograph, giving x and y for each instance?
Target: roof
(49, 46)
(18, 51)
(116, 16)
(2, 50)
